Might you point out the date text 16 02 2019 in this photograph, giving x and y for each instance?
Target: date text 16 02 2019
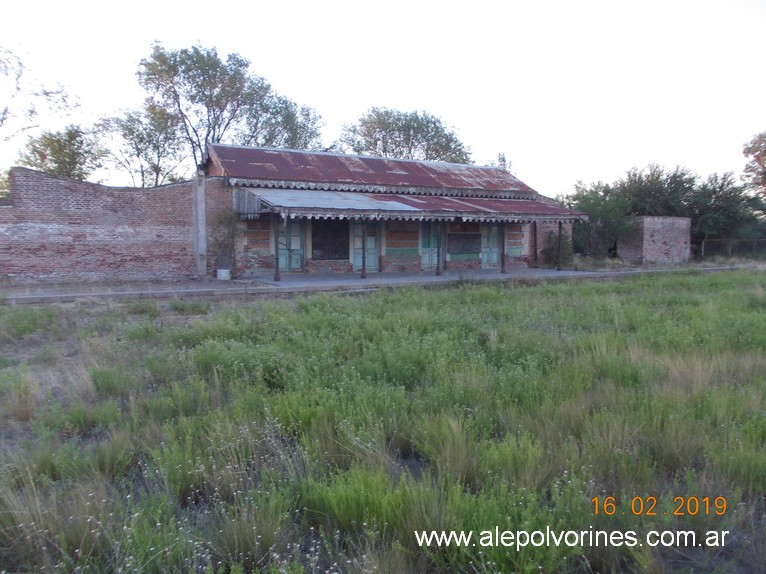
(649, 506)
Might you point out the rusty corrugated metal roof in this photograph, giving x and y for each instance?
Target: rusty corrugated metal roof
(336, 200)
(285, 168)
(320, 204)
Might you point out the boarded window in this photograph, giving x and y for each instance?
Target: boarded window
(464, 243)
(329, 239)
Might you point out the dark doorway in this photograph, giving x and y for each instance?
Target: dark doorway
(329, 239)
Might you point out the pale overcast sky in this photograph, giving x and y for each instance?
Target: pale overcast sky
(568, 90)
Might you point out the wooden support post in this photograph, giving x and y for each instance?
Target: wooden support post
(558, 250)
(503, 268)
(533, 241)
(438, 248)
(277, 276)
(364, 250)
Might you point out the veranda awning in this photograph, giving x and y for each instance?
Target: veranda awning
(320, 204)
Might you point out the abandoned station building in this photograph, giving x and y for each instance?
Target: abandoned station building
(329, 211)
(265, 211)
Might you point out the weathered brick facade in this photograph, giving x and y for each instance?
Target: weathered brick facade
(663, 240)
(58, 229)
(401, 252)
(400, 249)
(256, 251)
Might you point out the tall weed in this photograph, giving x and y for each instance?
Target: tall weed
(335, 427)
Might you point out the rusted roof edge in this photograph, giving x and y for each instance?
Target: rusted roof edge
(397, 215)
(367, 188)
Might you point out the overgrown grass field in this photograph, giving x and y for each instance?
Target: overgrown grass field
(318, 434)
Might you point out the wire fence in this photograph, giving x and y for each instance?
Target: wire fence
(735, 248)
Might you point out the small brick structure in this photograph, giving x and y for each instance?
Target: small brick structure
(658, 240)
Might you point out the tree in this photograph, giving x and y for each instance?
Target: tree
(407, 135)
(280, 122)
(11, 71)
(21, 100)
(72, 152)
(150, 145)
(755, 170)
(502, 162)
(653, 191)
(5, 184)
(221, 101)
(722, 209)
(718, 207)
(609, 218)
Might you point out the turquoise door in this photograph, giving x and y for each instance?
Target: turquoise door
(367, 234)
(291, 246)
(490, 246)
(429, 245)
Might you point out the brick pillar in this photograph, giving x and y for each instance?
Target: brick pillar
(199, 224)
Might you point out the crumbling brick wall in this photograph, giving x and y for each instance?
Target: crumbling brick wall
(58, 229)
(658, 240)
(667, 240)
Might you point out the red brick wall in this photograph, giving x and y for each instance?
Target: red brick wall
(667, 239)
(454, 263)
(214, 168)
(630, 249)
(401, 246)
(663, 240)
(255, 253)
(59, 229)
(328, 265)
(515, 250)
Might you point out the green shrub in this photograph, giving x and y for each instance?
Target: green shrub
(250, 532)
(145, 307)
(183, 307)
(82, 419)
(113, 382)
(227, 325)
(17, 322)
(19, 394)
(550, 255)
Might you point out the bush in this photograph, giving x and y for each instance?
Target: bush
(549, 255)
